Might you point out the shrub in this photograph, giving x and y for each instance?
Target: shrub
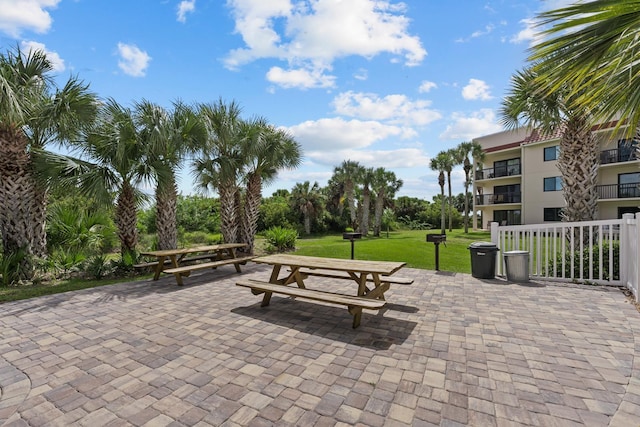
(280, 239)
(587, 264)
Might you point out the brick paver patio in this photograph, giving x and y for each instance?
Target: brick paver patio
(449, 350)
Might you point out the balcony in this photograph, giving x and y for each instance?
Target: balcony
(497, 172)
(498, 199)
(618, 156)
(618, 191)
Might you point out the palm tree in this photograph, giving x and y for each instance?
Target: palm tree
(349, 173)
(220, 162)
(440, 163)
(308, 200)
(34, 113)
(578, 162)
(170, 137)
(266, 150)
(450, 156)
(385, 185)
(594, 46)
(462, 153)
(114, 144)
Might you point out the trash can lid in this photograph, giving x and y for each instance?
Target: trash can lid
(507, 253)
(483, 245)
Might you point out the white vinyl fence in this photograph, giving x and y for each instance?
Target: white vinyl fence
(603, 252)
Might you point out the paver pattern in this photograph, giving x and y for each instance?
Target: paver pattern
(449, 350)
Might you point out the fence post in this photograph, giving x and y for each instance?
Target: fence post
(626, 261)
(495, 239)
(635, 277)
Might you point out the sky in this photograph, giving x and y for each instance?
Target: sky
(382, 82)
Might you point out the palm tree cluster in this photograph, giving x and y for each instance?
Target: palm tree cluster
(582, 72)
(120, 152)
(444, 162)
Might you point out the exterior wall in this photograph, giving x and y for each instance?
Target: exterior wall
(534, 198)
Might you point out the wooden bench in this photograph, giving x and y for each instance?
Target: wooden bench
(332, 274)
(355, 304)
(168, 261)
(204, 265)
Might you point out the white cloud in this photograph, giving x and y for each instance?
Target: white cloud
(476, 89)
(395, 109)
(400, 158)
(299, 78)
(528, 33)
(329, 135)
(361, 74)
(133, 61)
(465, 128)
(311, 35)
(426, 86)
(56, 62)
(185, 6)
(20, 15)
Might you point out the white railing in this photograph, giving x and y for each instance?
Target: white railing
(602, 252)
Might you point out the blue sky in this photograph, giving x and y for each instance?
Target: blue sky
(382, 82)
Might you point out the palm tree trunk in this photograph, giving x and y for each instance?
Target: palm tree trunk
(351, 201)
(467, 181)
(16, 199)
(39, 221)
(126, 220)
(228, 217)
(366, 201)
(449, 201)
(377, 222)
(252, 203)
(578, 163)
(166, 221)
(443, 216)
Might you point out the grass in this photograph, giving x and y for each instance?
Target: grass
(408, 246)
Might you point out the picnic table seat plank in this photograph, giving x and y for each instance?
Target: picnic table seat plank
(355, 304)
(334, 275)
(204, 265)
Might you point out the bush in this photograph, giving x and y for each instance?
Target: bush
(280, 239)
(586, 264)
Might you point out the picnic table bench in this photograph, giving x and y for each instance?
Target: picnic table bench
(362, 272)
(177, 259)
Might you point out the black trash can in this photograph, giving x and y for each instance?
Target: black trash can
(483, 260)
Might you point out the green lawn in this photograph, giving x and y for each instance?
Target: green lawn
(408, 246)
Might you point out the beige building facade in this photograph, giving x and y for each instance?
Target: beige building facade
(518, 181)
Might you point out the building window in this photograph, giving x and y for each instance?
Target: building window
(552, 214)
(551, 153)
(629, 185)
(507, 193)
(506, 167)
(507, 217)
(553, 184)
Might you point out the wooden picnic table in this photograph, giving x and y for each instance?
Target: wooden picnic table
(176, 259)
(298, 268)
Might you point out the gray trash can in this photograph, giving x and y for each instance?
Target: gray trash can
(517, 265)
(483, 260)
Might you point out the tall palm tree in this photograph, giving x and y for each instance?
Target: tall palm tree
(450, 156)
(34, 113)
(116, 147)
(578, 162)
(440, 163)
(594, 46)
(220, 162)
(349, 173)
(170, 137)
(307, 199)
(266, 150)
(462, 153)
(385, 185)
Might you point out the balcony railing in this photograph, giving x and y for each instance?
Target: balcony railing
(618, 191)
(498, 172)
(497, 199)
(617, 156)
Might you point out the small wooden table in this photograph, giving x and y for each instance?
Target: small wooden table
(224, 253)
(361, 272)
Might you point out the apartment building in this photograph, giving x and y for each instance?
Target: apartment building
(518, 182)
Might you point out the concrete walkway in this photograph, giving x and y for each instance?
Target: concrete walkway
(449, 350)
